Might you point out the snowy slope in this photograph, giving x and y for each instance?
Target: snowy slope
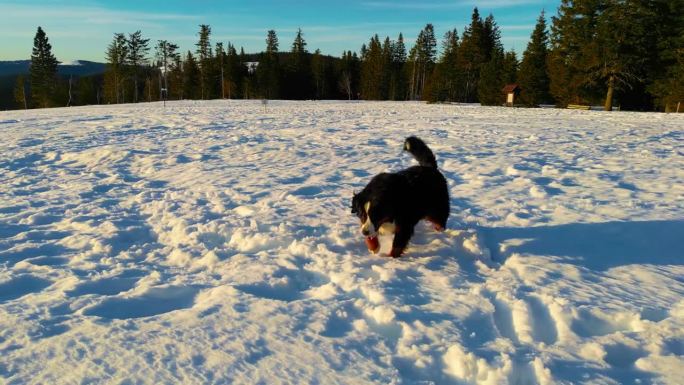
(212, 243)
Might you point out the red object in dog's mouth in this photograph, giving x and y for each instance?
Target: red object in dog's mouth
(373, 244)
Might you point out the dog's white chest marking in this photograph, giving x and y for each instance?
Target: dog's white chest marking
(387, 228)
(367, 227)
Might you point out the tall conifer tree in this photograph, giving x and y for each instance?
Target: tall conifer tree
(136, 56)
(43, 71)
(446, 80)
(600, 48)
(191, 78)
(472, 56)
(491, 79)
(234, 73)
(372, 70)
(116, 55)
(667, 83)
(318, 71)
(510, 67)
(397, 87)
(268, 70)
(220, 61)
(533, 75)
(422, 60)
(204, 56)
(298, 82)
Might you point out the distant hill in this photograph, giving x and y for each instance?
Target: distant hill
(76, 68)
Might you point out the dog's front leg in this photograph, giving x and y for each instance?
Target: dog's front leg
(402, 235)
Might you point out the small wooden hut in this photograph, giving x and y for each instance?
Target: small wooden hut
(511, 91)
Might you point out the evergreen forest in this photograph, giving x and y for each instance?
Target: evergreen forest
(627, 54)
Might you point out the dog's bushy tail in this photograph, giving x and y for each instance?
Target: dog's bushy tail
(420, 151)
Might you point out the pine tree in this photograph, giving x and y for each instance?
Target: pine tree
(191, 78)
(491, 38)
(491, 79)
(221, 59)
(249, 80)
(510, 67)
(234, 73)
(446, 80)
(204, 56)
(268, 70)
(397, 86)
(422, 60)
(43, 71)
(116, 55)
(600, 48)
(137, 49)
(620, 48)
(372, 70)
(298, 75)
(472, 56)
(20, 93)
(272, 44)
(533, 77)
(173, 81)
(667, 77)
(318, 70)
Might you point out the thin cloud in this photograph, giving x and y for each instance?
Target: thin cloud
(519, 27)
(88, 14)
(448, 5)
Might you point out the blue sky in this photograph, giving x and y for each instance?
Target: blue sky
(81, 29)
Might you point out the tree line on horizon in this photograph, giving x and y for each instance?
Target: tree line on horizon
(624, 52)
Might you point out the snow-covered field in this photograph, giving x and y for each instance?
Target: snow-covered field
(212, 243)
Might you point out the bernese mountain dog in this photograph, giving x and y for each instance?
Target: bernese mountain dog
(396, 202)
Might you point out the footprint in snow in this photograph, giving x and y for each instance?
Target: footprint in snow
(622, 356)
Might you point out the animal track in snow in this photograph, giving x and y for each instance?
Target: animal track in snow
(502, 317)
(543, 326)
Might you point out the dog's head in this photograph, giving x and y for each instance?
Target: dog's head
(372, 213)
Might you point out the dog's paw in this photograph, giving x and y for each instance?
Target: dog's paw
(396, 252)
(435, 224)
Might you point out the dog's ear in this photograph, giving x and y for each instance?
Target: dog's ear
(355, 203)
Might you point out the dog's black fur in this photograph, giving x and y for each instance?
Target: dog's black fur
(406, 197)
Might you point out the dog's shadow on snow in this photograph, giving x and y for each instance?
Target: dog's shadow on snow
(597, 246)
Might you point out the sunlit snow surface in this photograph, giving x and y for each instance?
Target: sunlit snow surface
(212, 243)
